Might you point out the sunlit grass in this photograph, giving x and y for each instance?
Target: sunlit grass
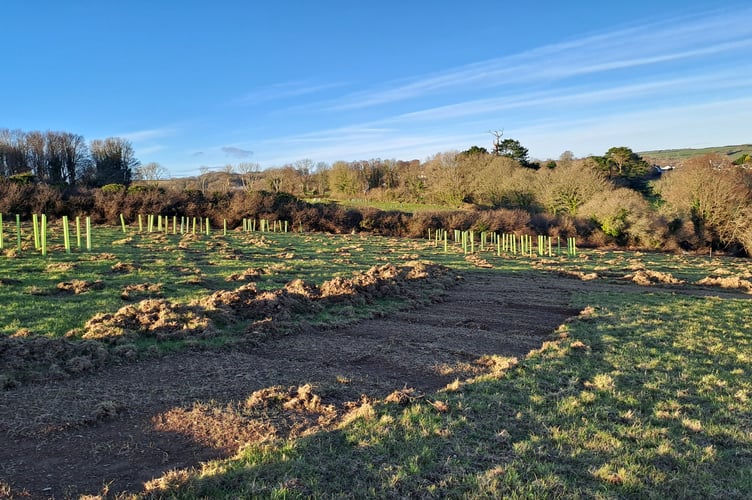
(396, 205)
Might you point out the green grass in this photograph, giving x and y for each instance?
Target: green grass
(673, 155)
(647, 397)
(396, 206)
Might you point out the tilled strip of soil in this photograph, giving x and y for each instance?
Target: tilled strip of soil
(71, 437)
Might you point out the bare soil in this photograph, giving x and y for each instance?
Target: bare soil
(115, 429)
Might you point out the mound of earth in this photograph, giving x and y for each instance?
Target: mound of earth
(478, 261)
(248, 274)
(731, 282)
(267, 414)
(123, 267)
(132, 292)
(646, 277)
(157, 318)
(79, 286)
(578, 274)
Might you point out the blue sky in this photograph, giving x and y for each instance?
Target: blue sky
(212, 83)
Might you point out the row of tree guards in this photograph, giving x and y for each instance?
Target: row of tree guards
(200, 225)
(39, 229)
(81, 228)
(504, 243)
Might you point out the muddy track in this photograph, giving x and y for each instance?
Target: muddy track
(81, 436)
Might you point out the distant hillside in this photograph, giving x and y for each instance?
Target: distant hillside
(673, 156)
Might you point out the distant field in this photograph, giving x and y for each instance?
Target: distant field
(398, 206)
(677, 155)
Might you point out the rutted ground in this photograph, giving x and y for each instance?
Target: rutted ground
(118, 428)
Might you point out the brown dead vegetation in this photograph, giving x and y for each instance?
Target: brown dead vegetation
(267, 414)
(141, 290)
(79, 286)
(158, 318)
(123, 267)
(730, 282)
(478, 261)
(578, 274)
(26, 357)
(646, 277)
(59, 267)
(404, 397)
(248, 274)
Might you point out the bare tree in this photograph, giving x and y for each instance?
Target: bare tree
(498, 134)
(204, 178)
(304, 169)
(248, 173)
(228, 170)
(12, 155)
(76, 158)
(151, 173)
(565, 189)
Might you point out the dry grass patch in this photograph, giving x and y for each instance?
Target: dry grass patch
(59, 267)
(123, 267)
(247, 275)
(77, 287)
(646, 277)
(478, 261)
(141, 290)
(157, 318)
(267, 414)
(730, 282)
(578, 274)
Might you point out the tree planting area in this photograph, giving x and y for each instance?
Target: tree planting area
(167, 362)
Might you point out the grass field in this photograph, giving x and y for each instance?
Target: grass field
(645, 394)
(676, 155)
(396, 206)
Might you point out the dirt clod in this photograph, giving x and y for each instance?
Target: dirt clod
(731, 282)
(646, 277)
(79, 286)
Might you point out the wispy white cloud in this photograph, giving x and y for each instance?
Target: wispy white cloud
(351, 133)
(391, 144)
(681, 82)
(151, 149)
(286, 90)
(582, 96)
(639, 46)
(148, 134)
(685, 125)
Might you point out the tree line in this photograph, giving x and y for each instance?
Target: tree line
(65, 159)
(617, 198)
